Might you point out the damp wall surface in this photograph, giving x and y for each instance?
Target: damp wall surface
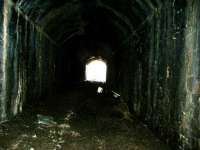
(160, 78)
(27, 61)
(1, 46)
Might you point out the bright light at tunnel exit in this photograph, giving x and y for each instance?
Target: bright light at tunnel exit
(96, 71)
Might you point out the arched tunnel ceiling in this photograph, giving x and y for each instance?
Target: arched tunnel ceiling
(63, 19)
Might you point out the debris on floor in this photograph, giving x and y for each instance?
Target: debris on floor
(46, 120)
(100, 124)
(115, 94)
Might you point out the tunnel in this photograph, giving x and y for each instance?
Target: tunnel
(99, 74)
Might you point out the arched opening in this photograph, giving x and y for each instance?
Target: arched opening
(96, 71)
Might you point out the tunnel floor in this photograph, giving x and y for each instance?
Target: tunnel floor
(78, 119)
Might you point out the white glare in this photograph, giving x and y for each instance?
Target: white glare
(96, 71)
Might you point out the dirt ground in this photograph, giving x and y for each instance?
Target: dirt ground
(78, 122)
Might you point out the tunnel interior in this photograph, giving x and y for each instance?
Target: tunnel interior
(150, 49)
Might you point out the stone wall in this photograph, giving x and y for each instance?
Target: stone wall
(160, 77)
(27, 66)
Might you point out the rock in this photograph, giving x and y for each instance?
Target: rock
(34, 136)
(64, 126)
(75, 134)
(58, 146)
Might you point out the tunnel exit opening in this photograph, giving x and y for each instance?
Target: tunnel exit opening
(96, 71)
